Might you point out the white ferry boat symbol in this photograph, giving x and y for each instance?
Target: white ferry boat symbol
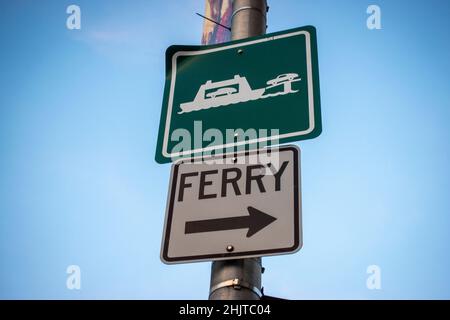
(223, 96)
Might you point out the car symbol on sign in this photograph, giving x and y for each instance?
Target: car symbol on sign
(282, 78)
(221, 92)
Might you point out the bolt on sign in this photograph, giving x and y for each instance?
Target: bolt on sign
(233, 206)
(244, 94)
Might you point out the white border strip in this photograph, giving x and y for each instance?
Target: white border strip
(245, 142)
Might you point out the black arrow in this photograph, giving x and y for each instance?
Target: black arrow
(255, 221)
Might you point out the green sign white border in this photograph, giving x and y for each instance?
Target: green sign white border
(239, 143)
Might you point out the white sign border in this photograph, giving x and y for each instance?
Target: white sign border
(245, 142)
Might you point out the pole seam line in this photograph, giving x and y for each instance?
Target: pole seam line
(248, 8)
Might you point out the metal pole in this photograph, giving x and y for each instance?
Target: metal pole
(241, 279)
(248, 19)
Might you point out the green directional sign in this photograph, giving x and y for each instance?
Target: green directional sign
(250, 93)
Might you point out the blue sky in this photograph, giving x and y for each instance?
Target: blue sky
(79, 115)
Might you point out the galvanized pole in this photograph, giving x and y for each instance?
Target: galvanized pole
(241, 279)
(249, 18)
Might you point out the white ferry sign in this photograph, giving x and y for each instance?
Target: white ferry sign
(267, 84)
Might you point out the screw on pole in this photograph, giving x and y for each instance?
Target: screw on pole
(240, 279)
